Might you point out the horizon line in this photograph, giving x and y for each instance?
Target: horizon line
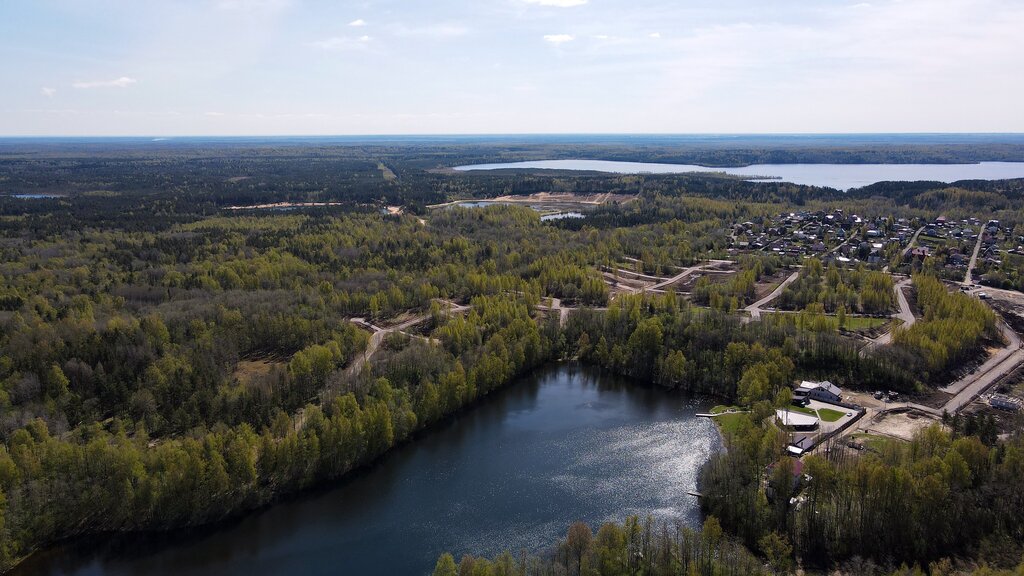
(161, 137)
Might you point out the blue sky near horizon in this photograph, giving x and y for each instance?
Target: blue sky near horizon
(202, 67)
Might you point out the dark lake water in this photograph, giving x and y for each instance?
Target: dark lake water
(567, 443)
(839, 176)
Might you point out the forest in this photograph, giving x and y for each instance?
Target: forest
(851, 290)
(166, 362)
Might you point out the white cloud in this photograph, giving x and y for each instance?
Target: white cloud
(557, 3)
(558, 38)
(430, 31)
(338, 43)
(357, 22)
(48, 92)
(122, 82)
(214, 114)
(654, 35)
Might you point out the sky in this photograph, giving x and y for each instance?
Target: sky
(309, 67)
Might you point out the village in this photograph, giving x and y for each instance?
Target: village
(968, 254)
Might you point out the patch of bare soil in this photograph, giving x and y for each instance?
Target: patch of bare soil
(567, 198)
(766, 284)
(250, 372)
(1011, 310)
(715, 277)
(876, 331)
(900, 423)
(934, 398)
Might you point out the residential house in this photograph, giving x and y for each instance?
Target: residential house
(824, 391)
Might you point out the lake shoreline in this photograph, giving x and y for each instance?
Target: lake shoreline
(836, 175)
(140, 544)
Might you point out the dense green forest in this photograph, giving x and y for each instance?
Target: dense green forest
(953, 327)
(834, 288)
(168, 362)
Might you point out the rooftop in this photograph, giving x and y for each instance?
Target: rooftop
(790, 418)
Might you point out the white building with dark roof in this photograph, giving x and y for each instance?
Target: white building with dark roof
(824, 391)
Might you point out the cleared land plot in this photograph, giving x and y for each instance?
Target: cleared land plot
(254, 373)
(873, 441)
(717, 277)
(386, 172)
(866, 325)
(901, 424)
(246, 370)
(766, 284)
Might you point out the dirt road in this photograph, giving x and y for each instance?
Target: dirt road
(755, 309)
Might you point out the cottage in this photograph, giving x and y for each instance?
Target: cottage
(921, 252)
(824, 391)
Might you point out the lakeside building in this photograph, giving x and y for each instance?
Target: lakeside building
(797, 420)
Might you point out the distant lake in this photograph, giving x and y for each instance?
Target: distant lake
(569, 442)
(839, 176)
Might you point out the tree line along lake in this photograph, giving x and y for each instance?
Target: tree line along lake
(568, 442)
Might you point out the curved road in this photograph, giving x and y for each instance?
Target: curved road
(755, 308)
(905, 313)
(379, 333)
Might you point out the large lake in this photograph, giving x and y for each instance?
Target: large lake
(839, 176)
(567, 443)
